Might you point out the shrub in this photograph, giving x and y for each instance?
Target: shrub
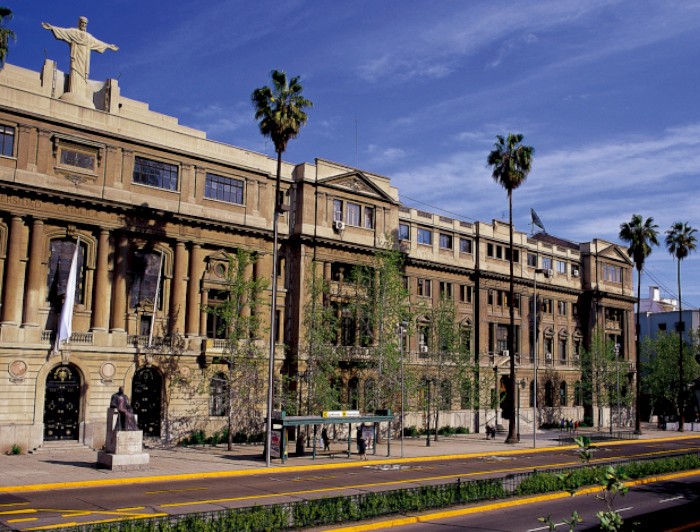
(411, 431)
(16, 449)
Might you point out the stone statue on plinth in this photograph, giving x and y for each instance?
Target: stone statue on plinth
(127, 419)
(81, 44)
(123, 449)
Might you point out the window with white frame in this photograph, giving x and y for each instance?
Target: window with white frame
(369, 218)
(353, 214)
(7, 140)
(424, 287)
(223, 188)
(546, 263)
(404, 232)
(445, 241)
(561, 267)
(337, 210)
(155, 173)
(465, 245)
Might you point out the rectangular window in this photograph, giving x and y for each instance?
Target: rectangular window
(574, 310)
(612, 274)
(501, 338)
(516, 254)
(369, 217)
(561, 308)
(78, 159)
(465, 294)
(562, 349)
(337, 210)
(547, 306)
(223, 188)
(424, 287)
(445, 241)
(546, 263)
(662, 327)
(490, 250)
(499, 252)
(489, 300)
(353, 214)
(404, 232)
(445, 290)
(155, 173)
(425, 236)
(7, 140)
(465, 245)
(532, 260)
(561, 267)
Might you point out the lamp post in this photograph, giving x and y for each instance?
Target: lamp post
(521, 384)
(534, 378)
(617, 385)
(427, 432)
(402, 331)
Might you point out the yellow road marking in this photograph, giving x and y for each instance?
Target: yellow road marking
(22, 520)
(23, 511)
(170, 491)
(313, 478)
(130, 509)
(14, 504)
(315, 467)
(507, 504)
(64, 525)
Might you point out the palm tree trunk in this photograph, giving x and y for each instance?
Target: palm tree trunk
(681, 417)
(512, 434)
(638, 362)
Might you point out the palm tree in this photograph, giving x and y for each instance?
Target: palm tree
(280, 111)
(639, 235)
(5, 34)
(680, 241)
(511, 161)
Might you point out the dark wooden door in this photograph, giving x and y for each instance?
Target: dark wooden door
(146, 399)
(62, 404)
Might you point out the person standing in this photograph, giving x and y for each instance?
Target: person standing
(361, 444)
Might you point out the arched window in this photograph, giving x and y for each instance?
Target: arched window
(549, 394)
(562, 393)
(60, 258)
(218, 397)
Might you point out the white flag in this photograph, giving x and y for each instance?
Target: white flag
(65, 323)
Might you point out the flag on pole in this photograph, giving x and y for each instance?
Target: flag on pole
(536, 220)
(155, 301)
(65, 323)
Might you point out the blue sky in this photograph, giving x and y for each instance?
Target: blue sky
(605, 91)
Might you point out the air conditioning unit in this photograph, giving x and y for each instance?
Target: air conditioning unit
(506, 353)
(550, 272)
(424, 349)
(338, 225)
(574, 271)
(548, 356)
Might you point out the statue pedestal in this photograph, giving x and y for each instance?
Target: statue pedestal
(123, 448)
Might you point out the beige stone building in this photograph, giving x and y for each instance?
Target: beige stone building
(135, 186)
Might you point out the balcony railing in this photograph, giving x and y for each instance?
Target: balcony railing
(78, 338)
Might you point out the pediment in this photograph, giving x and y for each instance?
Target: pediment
(357, 183)
(615, 252)
(217, 265)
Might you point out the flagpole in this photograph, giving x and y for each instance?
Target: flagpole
(155, 301)
(65, 322)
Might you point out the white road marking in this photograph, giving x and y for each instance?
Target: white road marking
(671, 499)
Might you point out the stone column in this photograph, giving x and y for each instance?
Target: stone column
(178, 290)
(193, 297)
(118, 313)
(203, 313)
(101, 293)
(12, 297)
(35, 280)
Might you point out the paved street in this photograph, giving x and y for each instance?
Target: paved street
(183, 480)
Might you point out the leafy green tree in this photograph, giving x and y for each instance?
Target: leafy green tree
(640, 234)
(5, 34)
(680, 241)
(280, 110)
(449, 362)
(660, 369)
(381, 303)
(511, 162)
(598, 372)
(321, 329)
(244, 353)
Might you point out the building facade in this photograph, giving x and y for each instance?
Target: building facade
(156, 209)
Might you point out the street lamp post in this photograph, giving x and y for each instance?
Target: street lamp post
(402, 331)
(617, 386)
(521, 384)
(427, 438)
(534, 378)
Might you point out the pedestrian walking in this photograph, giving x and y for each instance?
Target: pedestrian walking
(324, 439)
(361, 444)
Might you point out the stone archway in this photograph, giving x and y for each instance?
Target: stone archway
(62, 403)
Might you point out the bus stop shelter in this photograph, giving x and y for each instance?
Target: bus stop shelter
(282, 423)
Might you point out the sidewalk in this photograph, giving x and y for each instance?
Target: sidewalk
(51, 468)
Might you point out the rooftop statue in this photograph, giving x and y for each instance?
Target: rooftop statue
(81, 44)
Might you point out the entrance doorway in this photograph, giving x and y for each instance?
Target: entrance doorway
(62, 404)
(146, 400)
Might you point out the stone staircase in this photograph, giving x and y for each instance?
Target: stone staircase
(63, 446)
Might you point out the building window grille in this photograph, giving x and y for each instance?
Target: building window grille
(155, 173)
(223, 188)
